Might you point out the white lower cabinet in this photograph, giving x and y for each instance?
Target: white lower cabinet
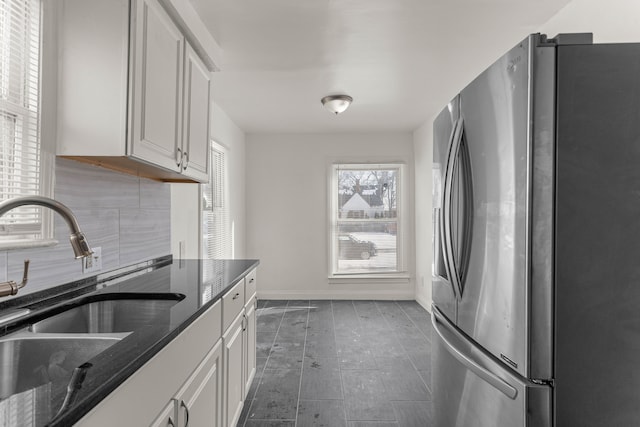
(198, 401)
(249, 368)
(233, 340)
(183, 376)
(167, 417)
(200, 379)
(239, 347)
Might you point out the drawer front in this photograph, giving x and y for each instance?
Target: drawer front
(249, 286)
(232, 304)
(214, 320)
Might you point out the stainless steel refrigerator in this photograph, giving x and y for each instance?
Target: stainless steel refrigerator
(536, 269)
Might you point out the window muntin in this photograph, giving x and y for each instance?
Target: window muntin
(20, 171)
(366, 219)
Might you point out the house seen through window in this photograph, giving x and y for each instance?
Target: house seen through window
(366, 219)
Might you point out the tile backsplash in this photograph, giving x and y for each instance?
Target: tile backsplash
(129, 217)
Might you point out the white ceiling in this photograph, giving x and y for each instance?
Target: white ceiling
(401, 60)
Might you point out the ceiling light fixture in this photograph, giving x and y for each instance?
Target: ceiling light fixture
(336, 103)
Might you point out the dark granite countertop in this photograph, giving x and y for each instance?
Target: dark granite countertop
(63, 401)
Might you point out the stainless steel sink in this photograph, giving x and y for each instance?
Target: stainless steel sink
(30, 361)
(69, 335)
(109, 315)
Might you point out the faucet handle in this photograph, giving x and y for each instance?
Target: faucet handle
(25, 273)
(10, 287)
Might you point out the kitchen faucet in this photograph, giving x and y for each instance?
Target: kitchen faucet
(79, 243)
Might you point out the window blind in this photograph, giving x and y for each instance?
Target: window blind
(216, 231)
(19, 115)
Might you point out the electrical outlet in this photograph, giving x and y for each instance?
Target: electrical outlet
(94, 262)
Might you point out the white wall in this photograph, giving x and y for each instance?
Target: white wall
(185, 230)
(609, 21)
(423, 152)
(287, 214)
(185, 209)
(226, 133)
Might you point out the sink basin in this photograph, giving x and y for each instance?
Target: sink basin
(28, 362)
(108, 314)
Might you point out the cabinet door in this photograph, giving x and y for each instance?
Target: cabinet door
(233, 367)
(157, 58)
(195, 136)
(199, 400)
(167, 417)
(249, 345)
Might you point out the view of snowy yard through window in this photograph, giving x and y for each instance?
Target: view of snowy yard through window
(366, 219)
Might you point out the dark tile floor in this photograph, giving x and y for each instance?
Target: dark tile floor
(341, 364)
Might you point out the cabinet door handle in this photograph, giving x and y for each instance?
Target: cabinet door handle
(236, 295)
(244, 322)
(186, 160)
(178, 157)
(170, 423)
(186, 412)
(252, 279)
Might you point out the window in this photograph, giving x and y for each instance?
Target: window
(366, 219)
(216, 231)
(20, 157)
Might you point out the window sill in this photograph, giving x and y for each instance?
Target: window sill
(26, 244)
(391, 278)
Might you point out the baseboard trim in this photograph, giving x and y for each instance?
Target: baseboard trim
(338, 295)
(426, 304)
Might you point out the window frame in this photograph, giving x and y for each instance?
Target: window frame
(46, 130)
(401, 274)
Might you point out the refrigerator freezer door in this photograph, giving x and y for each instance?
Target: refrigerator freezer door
(493, 306)
(474, 389)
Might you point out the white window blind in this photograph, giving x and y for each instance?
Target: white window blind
(19, 115)
(366, 219)
(216, 230)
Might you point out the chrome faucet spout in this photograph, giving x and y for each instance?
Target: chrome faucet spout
(79, 243)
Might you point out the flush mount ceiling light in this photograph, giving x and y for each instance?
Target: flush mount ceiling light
(336, 103)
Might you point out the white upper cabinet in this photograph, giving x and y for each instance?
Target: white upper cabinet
(156, 85)
(133, 94)
(197, 114)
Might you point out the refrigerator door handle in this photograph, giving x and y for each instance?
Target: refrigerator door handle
(439, 323)
(467, 231)
(447, 202)
(439, 268)
(444, 212)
